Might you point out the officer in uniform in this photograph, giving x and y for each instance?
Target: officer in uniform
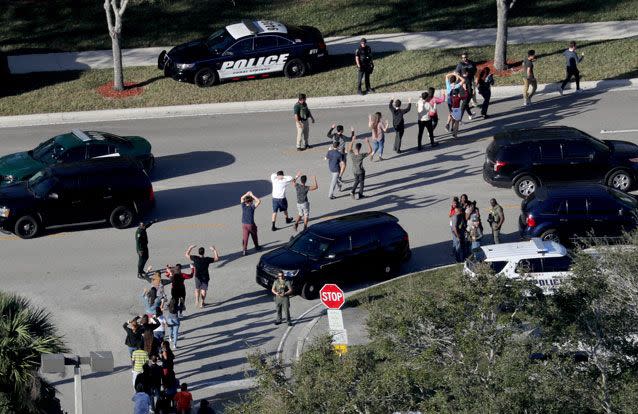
(141, 246)
(496, 219)
(363, 59)
(282, 290)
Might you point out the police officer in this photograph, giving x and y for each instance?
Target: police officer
(141, 246)
(363, 59)
(282, 290)
(496, 218)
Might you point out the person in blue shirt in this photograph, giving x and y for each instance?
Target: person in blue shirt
(141, 400)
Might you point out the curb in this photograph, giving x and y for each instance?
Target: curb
(274, 105)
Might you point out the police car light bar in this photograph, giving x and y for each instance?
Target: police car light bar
(81, 135)
(250, 25)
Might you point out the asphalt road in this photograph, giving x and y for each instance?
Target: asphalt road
(86, 276)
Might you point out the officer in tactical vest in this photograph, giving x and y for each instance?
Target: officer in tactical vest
(141, 246)
(282, 290)
(363, 59)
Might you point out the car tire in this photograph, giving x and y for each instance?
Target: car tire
(121, 217)
(295, 68)
(620, 180)
(26, 227)
(160, 60)
(525, 186)
(550, 235)
(310, 290)
(206, 77)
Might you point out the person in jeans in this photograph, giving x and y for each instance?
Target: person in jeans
(485, 82)
(343, 141)
(279, 202)
(172, 321)
(397, 121)
(378, 127)
(453, 85)
(528, 77)
(496, 218)
(571, 66)
(336, 166)
(302, 114)
(249, 202)
(458, 226)
(282, 289)
(365, 66)
(303, 205)
(358, 171)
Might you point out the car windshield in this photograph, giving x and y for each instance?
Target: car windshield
(309, 244)
(40, 184)
(220, 40)
(627, 199)
(47, 152)
(600, 145)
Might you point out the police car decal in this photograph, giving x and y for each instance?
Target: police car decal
(253, 66)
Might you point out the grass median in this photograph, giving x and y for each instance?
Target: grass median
(394, 72)
(69, 25)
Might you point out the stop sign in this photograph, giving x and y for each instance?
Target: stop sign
(331, 295)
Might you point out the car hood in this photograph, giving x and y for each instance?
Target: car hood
(623, 148)
(20, 165)
(190, 52)
(285, 259)
(10, 194)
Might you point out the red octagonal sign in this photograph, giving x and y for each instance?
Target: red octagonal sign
(331, 295)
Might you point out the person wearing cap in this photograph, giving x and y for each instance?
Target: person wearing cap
(282, 289)
(302, 114)
(363, 60)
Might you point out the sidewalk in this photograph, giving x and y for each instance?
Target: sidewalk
(394, 42)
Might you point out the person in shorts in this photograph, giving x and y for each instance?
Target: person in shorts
(279, 202)
(303, 205)
(202, 277)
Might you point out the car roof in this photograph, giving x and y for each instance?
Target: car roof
(523, 250)
(95, 165)
(254, 27)
(339, 226)
(68, 140)
(572, 189)
(516, 136)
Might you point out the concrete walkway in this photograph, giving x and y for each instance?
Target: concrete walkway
(394, 42)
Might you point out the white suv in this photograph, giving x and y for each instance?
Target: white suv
(545, 263)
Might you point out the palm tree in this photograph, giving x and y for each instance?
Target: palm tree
(25, 333)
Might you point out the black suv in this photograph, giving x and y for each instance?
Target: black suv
(338, 250)
(115, 189)
(527, 158)
(561, 212)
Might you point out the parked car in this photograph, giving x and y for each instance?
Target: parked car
(527, 158)
(74, 146)
(564, 211)
(546, 263)
(343, 249)
(114, 189)
(250, 49)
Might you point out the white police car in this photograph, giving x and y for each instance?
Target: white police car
(547, 264)
(250, 49)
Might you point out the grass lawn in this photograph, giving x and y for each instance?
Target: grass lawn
(67, 25)
(405, 71)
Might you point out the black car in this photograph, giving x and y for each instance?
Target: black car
(527, 158)
(561, 212)
(114, 189)
(338, 250)
(250, 49)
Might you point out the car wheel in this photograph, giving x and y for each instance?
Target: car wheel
(205, 78)
(121, 217)
(620, 180)
(295, 68)
(525, 186)
(550, 235)
(310, 290)
(26, 227)
(160, 60)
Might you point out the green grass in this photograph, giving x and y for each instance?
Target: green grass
(67, 25)
(405, 71)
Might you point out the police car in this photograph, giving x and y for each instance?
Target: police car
(250, 49)
(547, 264)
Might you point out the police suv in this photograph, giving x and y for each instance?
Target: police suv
(250, 49)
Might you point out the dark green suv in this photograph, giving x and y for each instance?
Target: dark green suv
(74, 146)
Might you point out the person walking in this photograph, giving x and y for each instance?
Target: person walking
(571, 67)
(397, 121)
(160, 331)
(378, 126)
(141, 400)
(485, 82)
(343, 141)
(496, 218)
(138, 359)
(467, 69)
(453, 84)
(457, 100)
(336, 166)
(427, 115)
(172, 321)
(282, 289)
(168, 359)
(458, 226)
(365, 66)
(141, 246)
(133, 335)
(358, 171)
(303, 205)
(434, 102)
(528, 77)
(151, 301)
(279, 202)
(202, 277)
(249, 203)
(302, 114)
(178, 285)
(154, 380)
(183, 400)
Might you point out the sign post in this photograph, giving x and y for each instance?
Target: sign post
(333, 298)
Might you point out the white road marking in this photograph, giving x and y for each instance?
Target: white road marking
(617, 131)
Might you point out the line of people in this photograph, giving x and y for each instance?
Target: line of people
(467, 227)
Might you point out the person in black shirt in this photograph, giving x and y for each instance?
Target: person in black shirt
(141, 247)
(363, 59)
(467, 70)
(397, 121)
(201, 263)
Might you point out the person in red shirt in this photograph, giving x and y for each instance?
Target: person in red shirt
(183, 400)
(178, 289)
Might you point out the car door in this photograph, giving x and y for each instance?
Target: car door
(365, 253)
(545, 272)
(270, 53)
(583, 161)
(547, 160)
(337, 262)
(63, 202)
(236, 60)
(606, 216)
(577, 221)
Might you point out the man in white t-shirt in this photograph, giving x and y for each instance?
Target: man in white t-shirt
(279, 202)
